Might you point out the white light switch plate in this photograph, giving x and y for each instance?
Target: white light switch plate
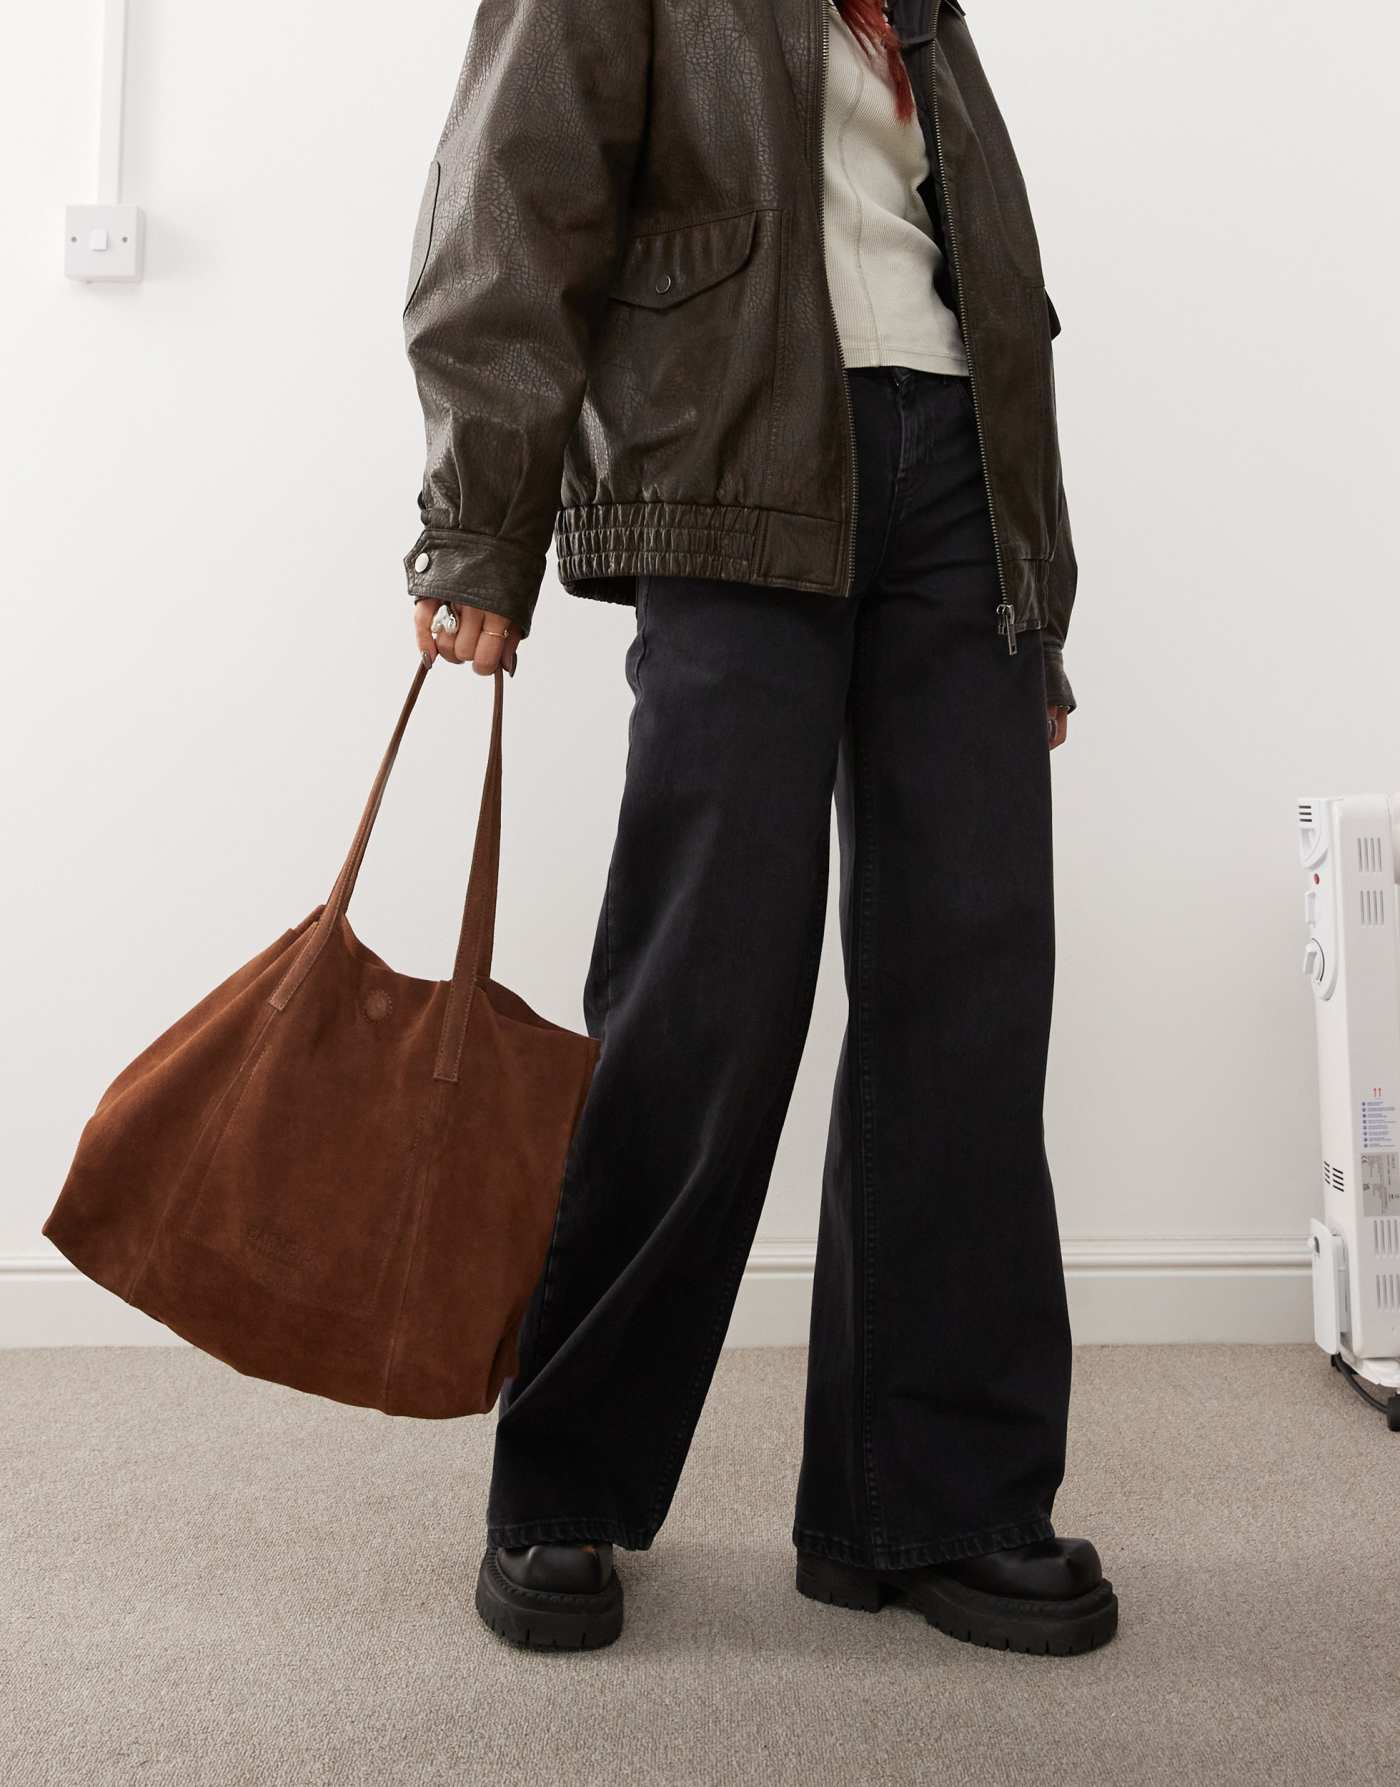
(103, 242)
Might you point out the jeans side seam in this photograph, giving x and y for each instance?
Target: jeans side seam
(547, 1287)
(689, 1413)
(863, 1091)
(643, 646)
(549, 1274)
(728, 1287)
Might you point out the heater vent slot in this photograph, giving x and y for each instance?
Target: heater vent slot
(1372, 906)
(1385, 1234)
(1334, 1176)
(1305, 812)
(1368, 854)
(1388, 1291)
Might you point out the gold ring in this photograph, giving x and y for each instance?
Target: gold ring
(490, 635)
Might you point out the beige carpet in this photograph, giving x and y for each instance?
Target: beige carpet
(210, 1580)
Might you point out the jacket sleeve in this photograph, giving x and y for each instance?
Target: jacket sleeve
(1064, 576)
(520, 230)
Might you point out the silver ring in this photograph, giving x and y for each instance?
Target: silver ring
(444, 621)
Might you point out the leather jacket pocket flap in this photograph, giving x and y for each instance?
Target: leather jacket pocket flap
(665, 269)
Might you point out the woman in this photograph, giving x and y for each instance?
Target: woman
(741, 301)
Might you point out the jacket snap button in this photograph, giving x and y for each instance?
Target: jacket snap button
(422, 562)
(664, 283)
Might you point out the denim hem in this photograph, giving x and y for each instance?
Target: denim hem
(578, 1530)
(930, 1551)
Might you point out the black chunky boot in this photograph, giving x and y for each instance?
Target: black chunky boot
(551, 1597)
(1048, 1598)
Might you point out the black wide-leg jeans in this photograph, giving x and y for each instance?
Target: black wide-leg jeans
(939, 1369)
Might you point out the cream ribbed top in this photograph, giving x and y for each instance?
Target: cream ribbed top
(881, 256)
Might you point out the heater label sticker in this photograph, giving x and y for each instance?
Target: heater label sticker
(1380, 1184)
(1377, 1121)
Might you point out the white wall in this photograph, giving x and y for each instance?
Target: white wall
(208, 483)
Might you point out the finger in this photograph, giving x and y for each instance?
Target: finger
(442, 643)
(494, 640)
(423, 612)
(461, 644)
(1057, 725)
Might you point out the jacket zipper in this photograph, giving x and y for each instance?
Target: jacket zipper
(1006, 613)
(852, 474)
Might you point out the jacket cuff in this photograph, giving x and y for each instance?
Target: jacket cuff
(444, 565)
(1058, 692)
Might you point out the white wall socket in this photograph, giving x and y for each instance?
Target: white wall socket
(103, 242)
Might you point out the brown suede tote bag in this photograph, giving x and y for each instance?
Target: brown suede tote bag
(338, 1177)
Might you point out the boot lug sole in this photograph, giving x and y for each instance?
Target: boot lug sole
(534, 1619)
(1028, 1627)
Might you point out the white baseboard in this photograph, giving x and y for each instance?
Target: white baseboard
(46, 1302)
(1167, 1288)
(1139, 1291)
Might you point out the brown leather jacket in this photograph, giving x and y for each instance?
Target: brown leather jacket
(619, 322)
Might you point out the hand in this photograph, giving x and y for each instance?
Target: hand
(485, 641)
(1058, 727)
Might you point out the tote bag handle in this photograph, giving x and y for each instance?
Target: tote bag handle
(476, 937)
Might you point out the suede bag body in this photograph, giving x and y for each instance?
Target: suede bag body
(338, 1177)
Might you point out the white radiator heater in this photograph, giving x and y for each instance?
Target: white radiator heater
(1350, 848)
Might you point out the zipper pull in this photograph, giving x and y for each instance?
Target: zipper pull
(1006, 623)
